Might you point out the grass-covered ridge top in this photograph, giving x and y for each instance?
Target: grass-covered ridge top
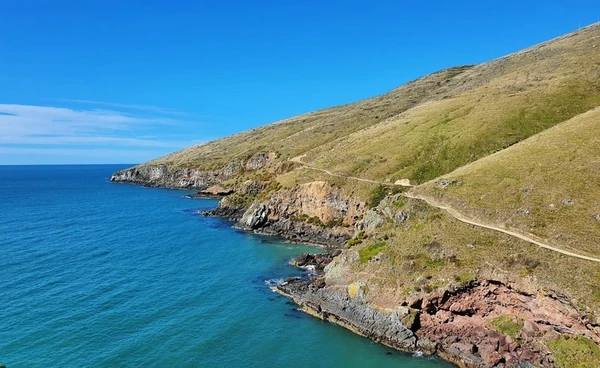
(294, 136)
(430, 126)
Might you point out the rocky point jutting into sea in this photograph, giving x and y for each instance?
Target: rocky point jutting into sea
(460, 207)
(451, 321)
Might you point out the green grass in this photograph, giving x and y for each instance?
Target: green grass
(298, 135)
(575, 352)
(507, 325)
(380, 192)
(557, 166)
(464, 252)
(464, 278)
(370, 251)
(450, 124)
(357, 239)
(239, 200)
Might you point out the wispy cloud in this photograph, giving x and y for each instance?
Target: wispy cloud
(29, 156)
(33, 129)
(143, 108)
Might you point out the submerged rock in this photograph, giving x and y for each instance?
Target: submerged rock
(318, 261)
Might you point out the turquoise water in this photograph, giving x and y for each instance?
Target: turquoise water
(100, 274)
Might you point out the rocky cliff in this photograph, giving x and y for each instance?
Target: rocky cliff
(313, 212)
(485, 323)
(340, 308)
(161, 175)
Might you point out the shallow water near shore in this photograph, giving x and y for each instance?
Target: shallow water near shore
(101, 274)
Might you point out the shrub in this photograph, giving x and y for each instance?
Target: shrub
(370, 251)
(357, 239)
(506, 325)
(376, 196)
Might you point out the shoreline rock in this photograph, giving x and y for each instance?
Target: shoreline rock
(456, 323)
(341, 309)
(461, 325)
(259, 219)
(213, 192)
(315, 262)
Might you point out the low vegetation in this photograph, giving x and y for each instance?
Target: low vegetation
(545, 185)
(357, 239)
(507, 325)
(370, 251)
(575, 352)
(433, 248)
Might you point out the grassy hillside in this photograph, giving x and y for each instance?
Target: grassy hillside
(432, 250)
(433, 125)
(512, 143)
(519, 133)
(547, 185)
(294, 136)
(485, 109)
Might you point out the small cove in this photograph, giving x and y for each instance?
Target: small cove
(103, 274)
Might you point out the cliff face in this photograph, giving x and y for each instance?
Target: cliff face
(189, 178)
(313, 212)
(163, 176)
(317, 201)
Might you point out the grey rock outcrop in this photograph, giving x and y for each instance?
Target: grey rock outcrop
(255, 217)
(352, 313)
(251, 187)
(372, 220)
(260, 160)
(162, 176)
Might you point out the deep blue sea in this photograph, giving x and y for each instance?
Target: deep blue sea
(97, 274)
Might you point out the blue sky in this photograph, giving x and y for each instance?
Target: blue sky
(127, 81)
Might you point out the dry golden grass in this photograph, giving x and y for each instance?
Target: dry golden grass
(485, 109)
(294, 136)
(432, 250)
(548, 185)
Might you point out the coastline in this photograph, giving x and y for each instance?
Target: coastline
(451, 323)
(425, 325)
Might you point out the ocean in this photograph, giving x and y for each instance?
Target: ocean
(98, 274)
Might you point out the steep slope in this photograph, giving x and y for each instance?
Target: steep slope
(293, 136)
(418, 131)
(546, 185)
(487, 108)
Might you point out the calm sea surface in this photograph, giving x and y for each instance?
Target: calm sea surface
(96, 274)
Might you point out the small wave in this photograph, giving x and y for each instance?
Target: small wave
(309, 268)
(418, 354)
(274, 282)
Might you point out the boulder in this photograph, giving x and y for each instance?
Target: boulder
(403, 182)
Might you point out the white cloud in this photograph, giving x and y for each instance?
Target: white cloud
(26, 124)
(144, 108)
(32, 130)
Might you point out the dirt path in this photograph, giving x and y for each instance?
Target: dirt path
(457, 215)
(460, 217)
(297, 160)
